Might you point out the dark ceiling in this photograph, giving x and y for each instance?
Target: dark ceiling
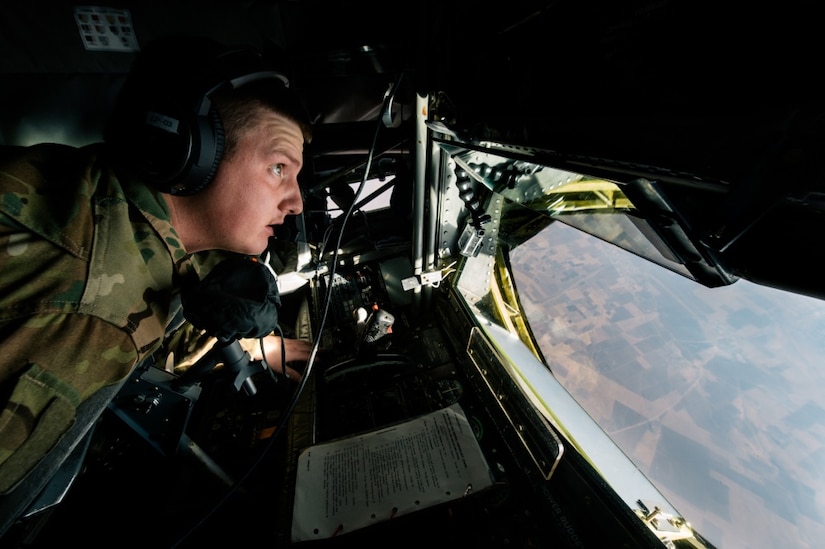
(683, 83)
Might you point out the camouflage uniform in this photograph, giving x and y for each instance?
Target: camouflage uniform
(88, 269)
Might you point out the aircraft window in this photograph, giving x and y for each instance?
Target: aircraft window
(714, 393)
(709, 388)
(375, 196)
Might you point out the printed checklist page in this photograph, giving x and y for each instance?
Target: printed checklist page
(354, 482)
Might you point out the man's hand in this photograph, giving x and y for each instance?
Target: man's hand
(297, 351)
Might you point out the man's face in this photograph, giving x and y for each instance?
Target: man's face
(257, 187)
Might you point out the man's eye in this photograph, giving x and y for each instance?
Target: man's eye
(277, 169)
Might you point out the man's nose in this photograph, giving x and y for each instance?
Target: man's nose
(293, 202)
(297, 208)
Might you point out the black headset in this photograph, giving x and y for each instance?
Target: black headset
(166, 129)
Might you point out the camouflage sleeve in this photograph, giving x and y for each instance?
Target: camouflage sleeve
(58, 361)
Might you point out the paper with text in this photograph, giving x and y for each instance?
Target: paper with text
(351, 483)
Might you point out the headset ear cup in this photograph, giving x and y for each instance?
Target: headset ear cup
(167, 155)
(220, 146)
(153, 142)
(204, 158)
